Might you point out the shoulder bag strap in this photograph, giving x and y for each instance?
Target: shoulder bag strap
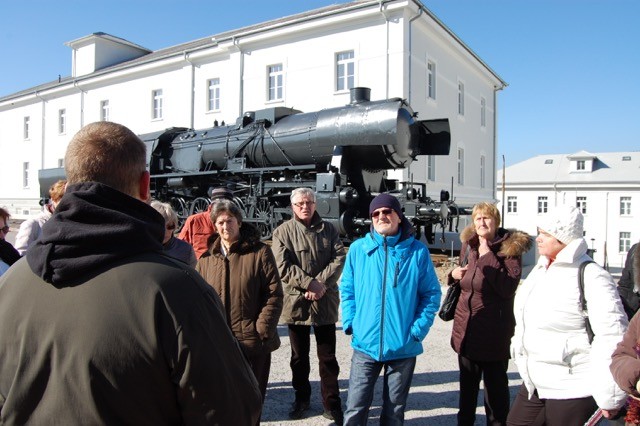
(583, 300)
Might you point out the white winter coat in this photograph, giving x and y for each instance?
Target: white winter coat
(550, 345)
(30, 231)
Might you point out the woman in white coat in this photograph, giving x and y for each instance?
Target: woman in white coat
(565, 377)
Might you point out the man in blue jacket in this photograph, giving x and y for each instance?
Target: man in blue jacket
(390, 295)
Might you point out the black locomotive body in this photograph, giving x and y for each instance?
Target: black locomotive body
(342, 153)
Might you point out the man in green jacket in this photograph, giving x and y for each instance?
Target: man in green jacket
(98, 327)
(310, 257)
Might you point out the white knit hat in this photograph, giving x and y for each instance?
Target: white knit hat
(565, 223)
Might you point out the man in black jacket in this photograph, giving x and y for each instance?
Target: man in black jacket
(628, 292)
(98, 327)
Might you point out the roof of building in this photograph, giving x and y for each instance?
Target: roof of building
(212, 41)
(608, 167)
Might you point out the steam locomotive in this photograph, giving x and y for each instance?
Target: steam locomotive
(342, 153)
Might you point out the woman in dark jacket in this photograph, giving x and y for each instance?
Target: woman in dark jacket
(243, 272)
(484, 321)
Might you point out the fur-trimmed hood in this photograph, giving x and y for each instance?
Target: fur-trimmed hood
(513, 243)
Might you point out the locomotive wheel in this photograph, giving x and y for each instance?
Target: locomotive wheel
(180, 207)
(200, 204)
(261, 215)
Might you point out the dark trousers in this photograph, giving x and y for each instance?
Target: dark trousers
(261, 366)
(549, 412)
(299, 337)
(496, 390)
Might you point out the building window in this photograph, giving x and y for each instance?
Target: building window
(431, 80)
(62, 121)
(581, 204)
(25, 174)
(482, 171)
(460, 98)
(512, 204)
(276, 79)
(543, 204)
(625, 242)
(213, 94)
(625, 206)
(580, 165)
(25, 129)
(104, 110)
(345, 70)
(157, 104)
(460, 166)
(431, 167)
(483, 112)
(60, 162)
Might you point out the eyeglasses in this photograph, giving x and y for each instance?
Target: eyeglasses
(304, 203)
(171, 227)
(5, 229)
(386, 212)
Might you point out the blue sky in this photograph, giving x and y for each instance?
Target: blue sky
(572, 65)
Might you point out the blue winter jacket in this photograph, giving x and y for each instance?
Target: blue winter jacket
(390, 294)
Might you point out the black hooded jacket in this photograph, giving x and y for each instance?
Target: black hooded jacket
(98, 327)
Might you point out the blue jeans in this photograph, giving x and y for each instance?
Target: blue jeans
(397, 381)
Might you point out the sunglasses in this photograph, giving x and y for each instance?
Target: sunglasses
(386, 212)
(171, 227)
(304, 203)
(5, 229)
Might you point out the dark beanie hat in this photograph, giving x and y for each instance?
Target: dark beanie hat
(385, 200)
(221, 192)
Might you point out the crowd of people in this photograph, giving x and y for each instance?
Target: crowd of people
(108, 317)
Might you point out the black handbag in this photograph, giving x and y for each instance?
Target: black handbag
(448, 308)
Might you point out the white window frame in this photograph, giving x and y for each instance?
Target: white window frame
(431, 80)
(581, 203)
(25, 174)
(543, 204)
(460, 163)
(431, 167)
(624, 242)
(26, 128)
(345, 70)
(625, 206)
(60, 163)
(62, 121)
(104, 110)
(460, 98)
(483, 161)
(581, 165)
(483, 112)
(275, 82)
(157, 104)
(512, 204)
(213, 94)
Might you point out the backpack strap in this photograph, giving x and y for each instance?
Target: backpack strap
(583, 300)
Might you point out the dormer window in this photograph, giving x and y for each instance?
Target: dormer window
(580, 165)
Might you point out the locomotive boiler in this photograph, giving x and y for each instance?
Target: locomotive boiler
(343, 154)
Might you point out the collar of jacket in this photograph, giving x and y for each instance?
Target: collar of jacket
(571, 254)
(374, 241)
(249, 239)
(508, 242)
(316, 222)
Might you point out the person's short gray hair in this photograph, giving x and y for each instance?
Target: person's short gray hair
(168, 214)
(223, 205)
(304, 193)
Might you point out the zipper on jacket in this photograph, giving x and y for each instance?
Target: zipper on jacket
(395, 276)
(384, 291)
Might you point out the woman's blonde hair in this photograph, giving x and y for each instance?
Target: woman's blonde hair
(489, 209)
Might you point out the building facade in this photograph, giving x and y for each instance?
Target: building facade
(308, 61)
(604, 186)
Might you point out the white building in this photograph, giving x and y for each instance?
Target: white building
(308, 61)
(605, 186)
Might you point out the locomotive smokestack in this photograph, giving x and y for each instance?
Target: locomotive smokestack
(360, 94)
